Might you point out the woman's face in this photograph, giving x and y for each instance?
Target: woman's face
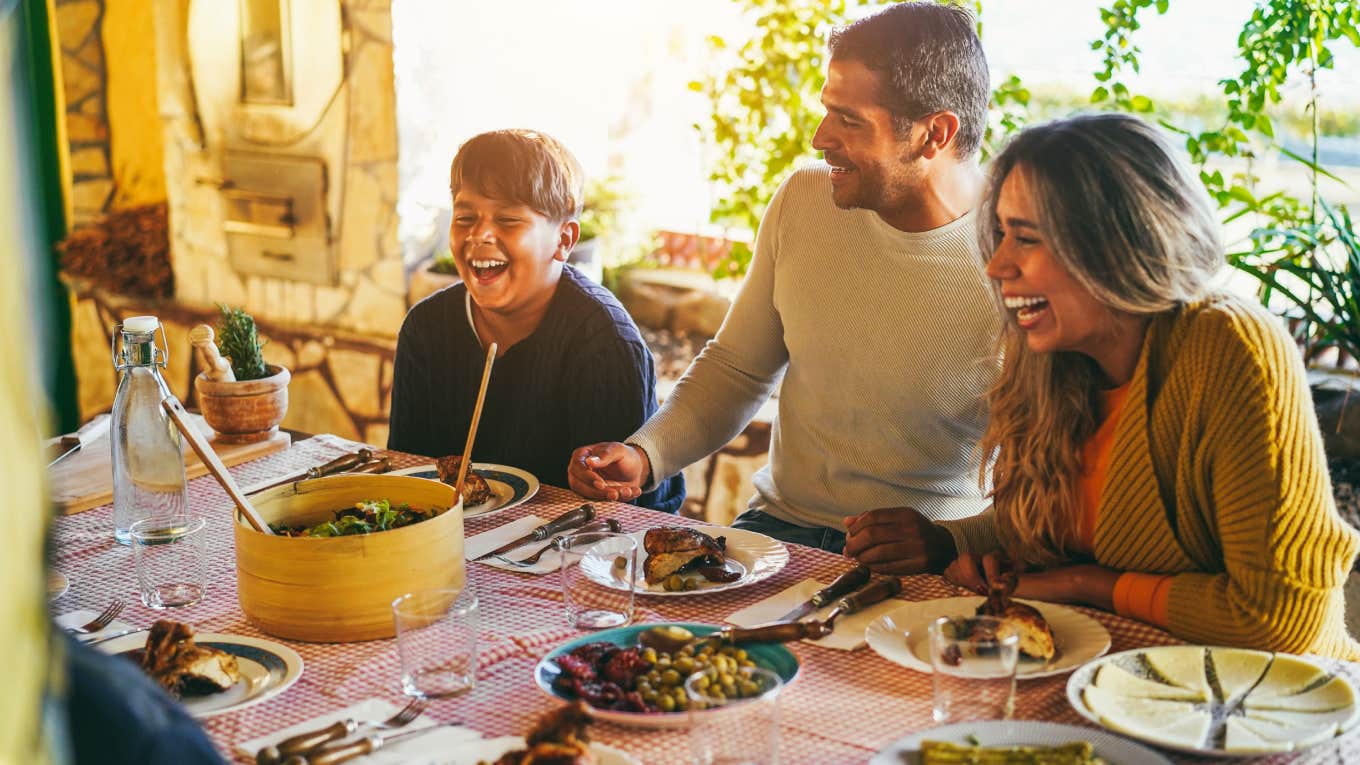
(1050, 306)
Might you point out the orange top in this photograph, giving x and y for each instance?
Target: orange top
(1136, 595)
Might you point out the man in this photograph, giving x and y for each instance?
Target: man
(865, 305)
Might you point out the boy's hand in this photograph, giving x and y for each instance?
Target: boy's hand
(898, 540)
(609, 470)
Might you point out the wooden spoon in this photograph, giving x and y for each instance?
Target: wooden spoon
(205, 452)
(476, 417)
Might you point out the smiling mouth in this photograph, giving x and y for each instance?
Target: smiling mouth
(1027, 309)
(486, 270)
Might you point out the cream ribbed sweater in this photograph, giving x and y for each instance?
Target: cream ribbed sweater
(1217, 475)
(883, 341)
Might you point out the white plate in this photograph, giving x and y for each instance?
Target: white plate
(1084, 676)
(756, 555)
(1113, 749)
(267, 669)
(490, 749)
(509, 486)
(900, 635)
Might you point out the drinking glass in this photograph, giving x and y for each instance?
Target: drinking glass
(169, 556)
(437, 642)
(974, 659)
(598, 569)
(726, 728)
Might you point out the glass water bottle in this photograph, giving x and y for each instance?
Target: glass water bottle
(148, 458)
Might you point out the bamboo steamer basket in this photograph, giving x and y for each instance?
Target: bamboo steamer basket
(340, 589)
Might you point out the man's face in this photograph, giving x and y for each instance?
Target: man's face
(507, 254)
(871, 166)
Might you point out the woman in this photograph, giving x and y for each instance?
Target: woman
(1156, 451)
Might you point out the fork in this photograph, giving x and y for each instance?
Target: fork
(272, 755)
(104, 619)
(608, 524)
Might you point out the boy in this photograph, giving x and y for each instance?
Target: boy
(571, 367)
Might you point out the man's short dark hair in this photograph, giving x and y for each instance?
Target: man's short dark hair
(522, 167)
(929, 59)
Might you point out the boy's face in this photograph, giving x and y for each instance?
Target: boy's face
(508, 255)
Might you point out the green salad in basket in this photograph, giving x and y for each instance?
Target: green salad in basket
(366, 517)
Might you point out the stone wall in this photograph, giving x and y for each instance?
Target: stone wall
(357, 135)
(83, 79)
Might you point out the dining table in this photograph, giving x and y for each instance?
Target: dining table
(843, 706)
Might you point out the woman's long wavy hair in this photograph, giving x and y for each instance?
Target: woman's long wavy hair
(1132, 225)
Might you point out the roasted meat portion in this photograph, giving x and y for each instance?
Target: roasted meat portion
(671, 549)
(475, 489)
(559, 738)
(1036, 637)
(183, 668)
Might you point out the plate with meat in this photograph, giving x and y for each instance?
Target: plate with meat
(622, 681)
(681, 560)
(560, 737)
(1054, 640)
(487, 489)
(210, 673)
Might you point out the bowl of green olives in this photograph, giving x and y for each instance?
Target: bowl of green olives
(639, 680)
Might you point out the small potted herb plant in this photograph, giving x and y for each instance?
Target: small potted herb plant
(241, 397)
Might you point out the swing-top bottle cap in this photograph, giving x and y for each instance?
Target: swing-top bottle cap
(141, 324)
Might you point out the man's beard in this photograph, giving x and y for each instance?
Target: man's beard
(879, 189)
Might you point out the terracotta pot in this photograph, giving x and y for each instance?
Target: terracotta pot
(244, 412)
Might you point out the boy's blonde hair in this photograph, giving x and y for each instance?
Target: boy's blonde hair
(524, 167)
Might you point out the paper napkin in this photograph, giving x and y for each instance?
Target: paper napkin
(77, 618)
(485, 542)
(440, 747)
(849, 633)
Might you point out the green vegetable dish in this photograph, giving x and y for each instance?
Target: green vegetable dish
(366, 517)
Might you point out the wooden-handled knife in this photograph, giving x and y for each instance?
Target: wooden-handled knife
(845, 583)
(568, 520)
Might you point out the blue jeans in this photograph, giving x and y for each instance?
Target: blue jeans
(820, 537)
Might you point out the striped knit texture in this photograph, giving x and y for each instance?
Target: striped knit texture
(880, 343)
(1218, 475)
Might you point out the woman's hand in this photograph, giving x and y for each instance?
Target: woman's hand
(1084, 584)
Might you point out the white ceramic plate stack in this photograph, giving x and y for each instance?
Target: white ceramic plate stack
(757, 556)
(1220, 702)
(1112, 749)
(900, 635)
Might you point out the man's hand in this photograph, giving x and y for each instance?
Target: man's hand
(898, 540)
(609, 470)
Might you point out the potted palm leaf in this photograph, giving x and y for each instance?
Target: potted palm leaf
(241, 397)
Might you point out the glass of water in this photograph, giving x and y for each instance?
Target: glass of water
(974, 660)
(598, 572)
(437, 642)
(169, 555)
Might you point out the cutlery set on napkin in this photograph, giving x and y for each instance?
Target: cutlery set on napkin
(528, 545)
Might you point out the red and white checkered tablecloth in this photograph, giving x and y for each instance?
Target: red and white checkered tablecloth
(844, 706)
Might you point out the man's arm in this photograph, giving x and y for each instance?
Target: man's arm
(734, 374)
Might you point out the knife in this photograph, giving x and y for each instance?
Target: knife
(333, 754)
(72, 442)
(338, 465)
(568, 520)
(815, 629)
(847, 582)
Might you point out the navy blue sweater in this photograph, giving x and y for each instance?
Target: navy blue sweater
(583, 376)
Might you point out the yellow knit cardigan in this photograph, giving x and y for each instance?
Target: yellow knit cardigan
(1217, 475)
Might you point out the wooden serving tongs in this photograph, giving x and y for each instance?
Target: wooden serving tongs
(466, 461)
(180, 416)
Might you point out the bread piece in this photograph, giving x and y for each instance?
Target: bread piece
(476, 490)
(1237, 670)
(1036, 637)
(1121, 682)
(1181, 665)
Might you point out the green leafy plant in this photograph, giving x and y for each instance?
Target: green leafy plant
(238, 340)
(605, 200)
(443, 264)
(1316, 270)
